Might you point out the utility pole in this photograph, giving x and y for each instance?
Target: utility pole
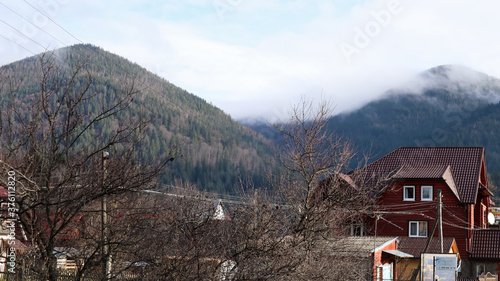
(437, 223)
(105, 254)
(440, 215)
(374, 268)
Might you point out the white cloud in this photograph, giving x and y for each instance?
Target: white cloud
(262, 55)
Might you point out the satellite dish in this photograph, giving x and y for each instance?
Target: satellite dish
(491, 218)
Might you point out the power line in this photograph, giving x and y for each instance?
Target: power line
(65, 30)
(17, 44)
(9, 25)
(161, 96)
(144, 84)
(49, 18)
(25, 19)
(390, 222)
(106, 57)
(425, 216)
(475, 227)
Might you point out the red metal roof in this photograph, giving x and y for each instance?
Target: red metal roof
(485, 244)
(415, 246)
(429, 162)
(429, 172)
(422, 172)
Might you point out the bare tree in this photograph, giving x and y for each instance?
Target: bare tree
(52, 140)
(52, 144)
(318, 199)
(177, 235)
(296, 229)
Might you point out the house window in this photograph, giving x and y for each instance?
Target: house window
(409, 193)
(384, 272)
(480, 269)
(379, 273)
(426, 193)
(357, 229)
(417, 229)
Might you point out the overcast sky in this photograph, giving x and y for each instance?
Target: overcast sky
(256, 58)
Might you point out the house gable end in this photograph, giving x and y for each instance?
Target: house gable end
(466, 166)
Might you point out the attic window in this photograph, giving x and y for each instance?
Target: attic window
(409, 193)
(426, 193)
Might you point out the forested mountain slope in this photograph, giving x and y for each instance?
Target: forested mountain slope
(217, 152)
(444, 106)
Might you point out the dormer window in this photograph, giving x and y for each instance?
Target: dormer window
(426, 193)
(409, 193)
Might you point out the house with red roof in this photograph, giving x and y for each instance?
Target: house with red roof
(485, 251)
(407, 267)
(409, 179)
(378, 254)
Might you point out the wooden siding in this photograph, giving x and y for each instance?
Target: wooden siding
(406, 268)
(395, 214)
(480, 214)
(383, 259)
(483, 175)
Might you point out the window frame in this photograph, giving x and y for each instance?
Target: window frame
(422, 193)
(418, 229)
(480, 268)
(405, 187)
(355, 227)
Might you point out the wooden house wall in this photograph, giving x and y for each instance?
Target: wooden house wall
(396, 213)
(483, 175)
(383, 259)
(470, 215)
(406, 268)
(480, 215)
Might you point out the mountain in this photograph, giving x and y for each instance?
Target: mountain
(217, 152)
(444, 106)
(447, 105)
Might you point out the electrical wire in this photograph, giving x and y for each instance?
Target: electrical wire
(145, 85)
(26, 20)
(9, 25)
(17, 44)
(390, 222)
(49, 18)
(430, 203)
(453, 215)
